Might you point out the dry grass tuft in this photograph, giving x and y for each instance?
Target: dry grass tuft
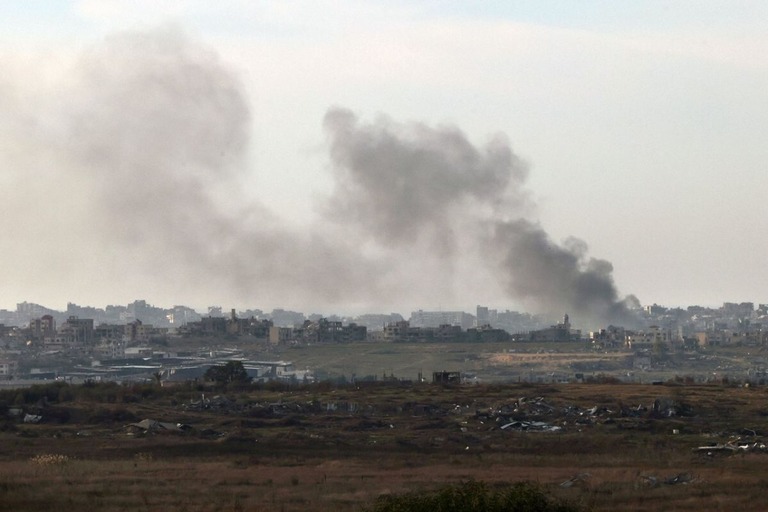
(50, 459)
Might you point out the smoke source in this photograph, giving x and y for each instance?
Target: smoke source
(551, 278)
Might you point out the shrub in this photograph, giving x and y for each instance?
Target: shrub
(474, 496)
(233, 374)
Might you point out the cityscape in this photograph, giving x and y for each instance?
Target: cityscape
(141, 342)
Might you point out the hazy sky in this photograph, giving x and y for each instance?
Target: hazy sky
(381, 156)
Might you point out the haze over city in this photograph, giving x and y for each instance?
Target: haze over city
(373, 156)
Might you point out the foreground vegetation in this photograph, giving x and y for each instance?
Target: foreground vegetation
(474, 496)
(341, 448)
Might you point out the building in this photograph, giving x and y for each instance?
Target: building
(446, 377)
(422, 318)
(280, 335)
(109, 332)
(653, 338)
(75, 332)
(139, 332)
(107, 348)
(401, 331)
(324, 330)
(487, 334)
(557, 332)
(212, 325)
(42, 328)
(8, 368)
(610, 337)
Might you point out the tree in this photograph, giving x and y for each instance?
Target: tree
(233, 372)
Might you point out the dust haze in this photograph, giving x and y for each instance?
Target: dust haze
(125, 175)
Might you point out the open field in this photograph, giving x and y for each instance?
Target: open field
(491, 362)
(608, 447)
(515, 361)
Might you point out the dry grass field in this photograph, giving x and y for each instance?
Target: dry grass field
(510, 362)
(604, 446)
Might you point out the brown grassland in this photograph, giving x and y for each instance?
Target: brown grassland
(326, 448)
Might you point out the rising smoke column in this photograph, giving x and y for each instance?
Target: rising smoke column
(554, 278)
(401, 183)
(414, 194)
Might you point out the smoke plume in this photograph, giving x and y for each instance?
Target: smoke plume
(125, 177)
(130, 182)
(552, 278)
(403, 183)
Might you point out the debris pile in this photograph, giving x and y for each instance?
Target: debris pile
(149, 426)
(538, 415)
(733, 446)
(679, 478)
(217, 403)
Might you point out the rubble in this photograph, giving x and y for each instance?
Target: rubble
(533, 426)
(148, 426)
(679, 478)
(536, 414)
(732, 446)
(32, 418)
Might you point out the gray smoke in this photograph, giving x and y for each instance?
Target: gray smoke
(126, 179)
(402, 183)
(555, 279)
(137, 168)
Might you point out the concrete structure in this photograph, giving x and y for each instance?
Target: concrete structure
(8, 368)
(42, 328)
(446, 377)
(557, 332)
(422, 318)
(75, 332)
(280, 335)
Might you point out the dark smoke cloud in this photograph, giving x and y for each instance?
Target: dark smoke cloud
(129, 176)
(402, 181)
(556, 279)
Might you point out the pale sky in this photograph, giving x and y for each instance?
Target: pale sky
(641, 126)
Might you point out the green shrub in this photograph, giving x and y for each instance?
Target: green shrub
(474, 496)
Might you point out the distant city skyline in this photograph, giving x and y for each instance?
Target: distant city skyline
(143, 319)
(226, 309)
(367, 156)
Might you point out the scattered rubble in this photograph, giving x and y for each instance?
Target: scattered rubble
(148, 426)
(32, 418)
(533, 426)
(538, 415)
(679, 478)
(733, 446)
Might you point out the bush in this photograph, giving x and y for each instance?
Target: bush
(233, 374)
(474, 496)
(51, 393)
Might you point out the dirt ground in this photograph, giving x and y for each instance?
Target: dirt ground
(608, 447)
